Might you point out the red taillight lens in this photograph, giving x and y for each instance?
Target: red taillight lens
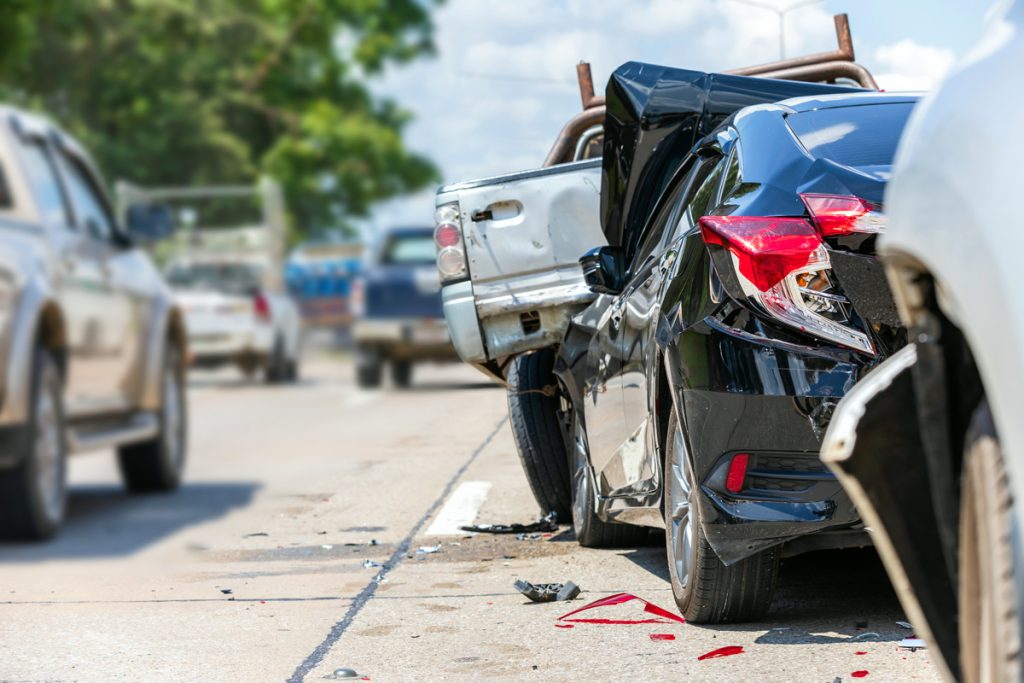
(446, 235)
(836, 215)
(766, 249)
(261, 306)
(737, 473)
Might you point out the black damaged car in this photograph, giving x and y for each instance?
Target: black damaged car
(739, 300)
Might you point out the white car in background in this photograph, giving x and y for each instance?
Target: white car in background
(236, 316)
(930, 445)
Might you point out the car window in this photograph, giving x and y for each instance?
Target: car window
(410, 250)
(864, 135)
(90, 209)
(227, 277)
(703, 190)
(733, 176)
(42, 177)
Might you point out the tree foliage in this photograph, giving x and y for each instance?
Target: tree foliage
(181, 92)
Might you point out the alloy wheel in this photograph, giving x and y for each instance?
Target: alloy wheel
(680, 520)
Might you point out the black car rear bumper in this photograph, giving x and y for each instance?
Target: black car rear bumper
(771, 400)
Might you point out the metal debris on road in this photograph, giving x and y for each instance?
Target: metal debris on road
(905, 624)
(662, 614)
(727, 651)
(547, 592)
(912, 643)
(428, 549)
(548, 522)
(342, 674)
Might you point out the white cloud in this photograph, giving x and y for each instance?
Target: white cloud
(908, 65)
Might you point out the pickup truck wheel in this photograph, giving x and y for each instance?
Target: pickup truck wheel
(277, 366)
(533, 413)
(401, 373)
(990, 638)
(591, 531)
(705, 590)
(369, 368)
(157, 464)
(33, 495)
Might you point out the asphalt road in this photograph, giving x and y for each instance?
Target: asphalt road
(261, 568)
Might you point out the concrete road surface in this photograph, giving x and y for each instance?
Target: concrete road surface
(291, 552)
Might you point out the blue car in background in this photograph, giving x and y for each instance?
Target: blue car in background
(397, 304)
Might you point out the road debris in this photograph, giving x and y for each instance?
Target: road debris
(428, 549)
(548, 522)
(255, 534)
(345, 674)
(369, 564)
(866, 635)
(663, 636)
(905, 624)
(547, 592)
(859, 674)
(326, 546)
(727, 651)
(913, 643)
(529, 537)
(226, 591)
(663, 616)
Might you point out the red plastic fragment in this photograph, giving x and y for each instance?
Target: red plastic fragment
(726, 651)
(860, 653)
(859, 674)
(564, 626)
(665, 617)
(663, 636)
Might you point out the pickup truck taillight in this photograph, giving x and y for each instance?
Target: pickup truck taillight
(451, 253)
(781, 265)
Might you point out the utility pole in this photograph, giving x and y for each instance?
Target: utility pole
(781, 14)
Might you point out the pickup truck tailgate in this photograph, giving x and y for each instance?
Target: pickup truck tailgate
(524, 234)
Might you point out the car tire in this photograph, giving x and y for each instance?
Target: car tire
(401, 373)
(990, 638)
(33, 495)
(369, 368)
(591, 531)
(707, 591)
(158, 464)
(533, 413)
(277, 366)
(292, 370)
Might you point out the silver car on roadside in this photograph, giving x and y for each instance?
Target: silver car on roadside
(92, 347)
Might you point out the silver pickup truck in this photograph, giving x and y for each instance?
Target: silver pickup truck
(92, 348)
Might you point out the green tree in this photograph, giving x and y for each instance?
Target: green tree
(180, 92)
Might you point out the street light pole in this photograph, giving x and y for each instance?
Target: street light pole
(781, 14)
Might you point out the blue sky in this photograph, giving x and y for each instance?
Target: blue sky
(503, 81)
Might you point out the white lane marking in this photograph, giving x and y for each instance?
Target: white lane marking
(461, 509)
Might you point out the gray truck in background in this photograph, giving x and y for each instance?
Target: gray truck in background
(92, 346)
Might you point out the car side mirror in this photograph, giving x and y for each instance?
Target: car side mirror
(148, 223)
(604, 269)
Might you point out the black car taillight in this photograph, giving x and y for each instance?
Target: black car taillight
(782, 266)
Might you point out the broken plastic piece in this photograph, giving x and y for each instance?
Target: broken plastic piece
(548, 522)
(859, 674)
(547, 592)
(226, 591)
(664, 616)
(367, 564)
(861, 652)
(727, 651)
(905, 624)
(428, 549)
(663, 636)
(912, 643)
(866, 635)
(342, 674)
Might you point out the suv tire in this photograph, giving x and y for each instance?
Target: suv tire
(533, 412)
(158, 464)
(33, 495)
(401, 373)
(369, 368)
(705, 590)
(990, 638)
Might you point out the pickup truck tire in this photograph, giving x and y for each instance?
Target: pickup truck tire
(277, 366)
(33, 495)
(705, 590)
(369, 368)
(157, 464)
(990, 638)
(533, 414)
(591, 531)
(401, 373)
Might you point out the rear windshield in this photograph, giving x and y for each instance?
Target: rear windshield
(864, 135)
(410, 250)
(230, 278)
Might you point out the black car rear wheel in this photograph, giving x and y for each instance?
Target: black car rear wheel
(401, 373)
(706, 591)
(533, 413)
(591, 530)
(369, 367)
(990, 638)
